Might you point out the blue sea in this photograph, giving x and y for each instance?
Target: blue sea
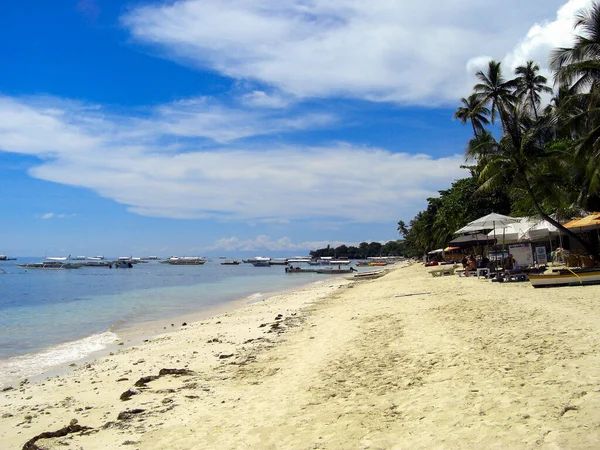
(50, 318)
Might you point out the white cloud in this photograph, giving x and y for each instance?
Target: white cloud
(119, 158)
(409, 51)
(52, 215)
(265, 100)
(545, 36)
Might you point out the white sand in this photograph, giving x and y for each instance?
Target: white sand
(404, 361)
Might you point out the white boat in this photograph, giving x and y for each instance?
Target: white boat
(368, 275)
(566, 277)
(186, 260)
(260, 261)
(58, 258)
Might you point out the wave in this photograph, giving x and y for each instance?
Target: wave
(33, 364)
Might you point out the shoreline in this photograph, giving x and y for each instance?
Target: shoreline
(406, 359)
(127, 336)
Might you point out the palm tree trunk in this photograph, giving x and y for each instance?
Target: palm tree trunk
(585, 244)
(533, 105)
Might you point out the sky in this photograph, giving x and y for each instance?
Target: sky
(232, 127)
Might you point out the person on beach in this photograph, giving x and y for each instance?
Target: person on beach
(471, 265)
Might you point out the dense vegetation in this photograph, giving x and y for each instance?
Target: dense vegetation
(363, 251)
(526, 159)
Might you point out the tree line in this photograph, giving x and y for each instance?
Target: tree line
(363, 251)
(524, 158)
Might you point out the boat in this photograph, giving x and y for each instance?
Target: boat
(232, 262)
(49, 265)
(185, 260)
(278, 262)
(6, 258)
(331, 271)
(292, 269)
(260, 261)
(369, 275)
(566, 277)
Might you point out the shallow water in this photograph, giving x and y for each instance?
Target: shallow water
(50, 318)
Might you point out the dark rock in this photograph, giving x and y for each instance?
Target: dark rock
(122, 379)
(8, 388)
(175, 372)
(184, 324)
(72, 428)
(142, 381)
(225, 356)
(126, 415)
(129, 393)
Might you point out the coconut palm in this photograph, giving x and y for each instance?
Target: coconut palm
(579, 65)
(521, 160)
(529, 85)
(495, 90)
(473, 110)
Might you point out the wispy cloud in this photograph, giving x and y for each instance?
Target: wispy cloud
(52, 215)
(415, 52)
(162, 171)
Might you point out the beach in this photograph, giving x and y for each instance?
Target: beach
(403, 361)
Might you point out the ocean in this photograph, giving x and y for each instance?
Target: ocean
(51, 318)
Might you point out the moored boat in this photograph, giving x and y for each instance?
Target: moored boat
(332, 271)
(49, 265)
(260, 261)
(369, 275)
(232, 262)
(185, 260)
(566, 277)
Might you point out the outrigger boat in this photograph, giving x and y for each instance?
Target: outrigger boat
(370, 275)
(51, 264)
(185, 260)
(566, 277)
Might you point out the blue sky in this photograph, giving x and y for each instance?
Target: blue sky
(228, 127)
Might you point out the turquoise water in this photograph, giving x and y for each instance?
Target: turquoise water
(51, 318)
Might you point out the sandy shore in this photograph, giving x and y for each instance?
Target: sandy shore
(404, 361)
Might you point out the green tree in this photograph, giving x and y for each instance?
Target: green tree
(473, 110)
(529, 86)
(494, 90)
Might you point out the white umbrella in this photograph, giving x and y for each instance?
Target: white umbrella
(491, 221)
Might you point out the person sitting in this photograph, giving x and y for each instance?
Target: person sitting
(471, 265)
(509, 263)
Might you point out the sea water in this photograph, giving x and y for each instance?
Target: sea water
(50, 318)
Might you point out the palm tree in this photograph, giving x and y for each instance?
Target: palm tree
(402, 229)
(495, 90)
(473, 110)
(579, 68)
(529, 85)
(579, 65)
(520, 160)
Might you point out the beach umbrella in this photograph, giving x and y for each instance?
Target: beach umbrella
(472, 240)
(589, 222)
(490, 221)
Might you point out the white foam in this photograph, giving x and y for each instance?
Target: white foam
(32, 364)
